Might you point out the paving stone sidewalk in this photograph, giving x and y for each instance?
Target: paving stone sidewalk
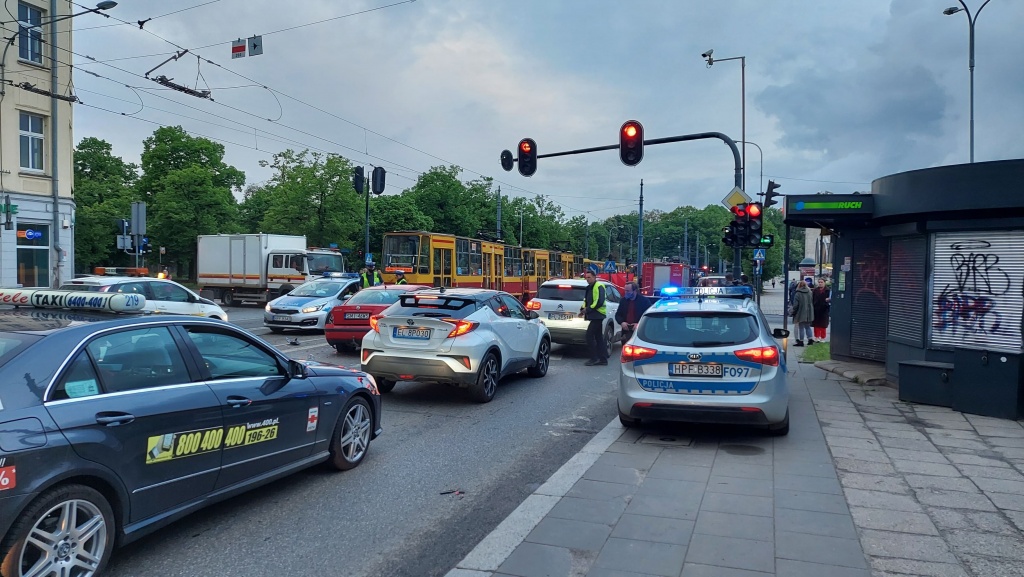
(863, 485)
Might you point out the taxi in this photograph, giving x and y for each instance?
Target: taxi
(114, 423)
(705, 355)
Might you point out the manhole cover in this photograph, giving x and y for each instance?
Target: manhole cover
(742, 449)
(666, 440)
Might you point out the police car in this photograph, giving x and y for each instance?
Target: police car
(114, 424)
(705, 355)
(308, 305)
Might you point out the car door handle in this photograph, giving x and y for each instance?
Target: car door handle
(114, 419)
(237, 402)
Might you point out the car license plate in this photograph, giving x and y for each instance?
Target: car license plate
(695, 370)
(561, 316)
(411, 333)
(357, 315)
(282, 318)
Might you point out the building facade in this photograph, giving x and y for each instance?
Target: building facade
(36, 146)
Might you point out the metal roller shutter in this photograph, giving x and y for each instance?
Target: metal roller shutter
(977, 290)
(870, 285)
(908, 287)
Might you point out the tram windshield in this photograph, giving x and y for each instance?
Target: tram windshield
(401, 251)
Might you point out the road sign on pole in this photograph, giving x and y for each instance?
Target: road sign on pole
(237, 49)
(609, 266)
(735, 197)
(759, 254)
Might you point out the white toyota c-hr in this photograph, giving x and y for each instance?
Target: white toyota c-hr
(469, 338)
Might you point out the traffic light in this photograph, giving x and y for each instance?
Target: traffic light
(631, 143)
(755, 222)
(527, 157)
(357, 179)
(739, 225)
(728, 236)
(770, 194)
(767, 241)
(146, 248)
(377, 180)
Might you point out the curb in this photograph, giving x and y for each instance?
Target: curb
(492, 551)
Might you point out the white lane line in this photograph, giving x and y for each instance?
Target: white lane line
(492, 551)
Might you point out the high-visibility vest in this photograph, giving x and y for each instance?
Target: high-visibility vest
(595, 295)
(402, 281)
(373, 280)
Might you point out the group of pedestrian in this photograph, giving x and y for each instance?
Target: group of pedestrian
(810, 311)
(370, 276)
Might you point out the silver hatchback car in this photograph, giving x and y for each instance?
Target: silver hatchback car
(705, 355)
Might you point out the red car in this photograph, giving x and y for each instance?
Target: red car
(348, 322)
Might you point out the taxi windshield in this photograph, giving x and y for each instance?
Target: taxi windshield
(317, 289)
(698, 329)
(11, 344)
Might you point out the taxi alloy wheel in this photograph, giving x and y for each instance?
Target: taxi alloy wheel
(543, 360)
(66, 531)
(352, 435)
(486, 379)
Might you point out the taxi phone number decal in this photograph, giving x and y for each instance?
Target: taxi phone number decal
(163, 448)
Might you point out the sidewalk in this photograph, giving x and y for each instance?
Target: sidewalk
(863, 485)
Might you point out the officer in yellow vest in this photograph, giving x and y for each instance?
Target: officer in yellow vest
(594, 310)
(371, 277)
(400, 277)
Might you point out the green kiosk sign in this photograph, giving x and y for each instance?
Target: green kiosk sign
(830, 204)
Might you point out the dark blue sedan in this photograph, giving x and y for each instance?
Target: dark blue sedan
(114, 425)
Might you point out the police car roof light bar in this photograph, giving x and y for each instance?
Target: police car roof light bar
(735, 292)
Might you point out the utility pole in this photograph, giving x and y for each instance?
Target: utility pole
(640, 234)
(366, 243)
(686, 242)
(586, 239)
(698, 250)
(499, 213)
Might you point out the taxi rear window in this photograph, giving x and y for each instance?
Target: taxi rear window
(710, 329)
(11, 344)
(553, 292)
(83, 287)
(432, 305)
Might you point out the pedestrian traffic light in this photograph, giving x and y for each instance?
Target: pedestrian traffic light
(145, 247)
(770, 194)
(631, 143)
(527, 157)
(767, 241)
(755, 222)
(357, 179)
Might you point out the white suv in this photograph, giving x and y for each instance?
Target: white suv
(558, 302)
(470, 338)
(162, 296)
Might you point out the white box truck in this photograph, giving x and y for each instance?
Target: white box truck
(259, 267)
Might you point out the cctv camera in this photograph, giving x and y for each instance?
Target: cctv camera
(708, 53)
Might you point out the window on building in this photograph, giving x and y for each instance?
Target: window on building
(33, 255)
(31, 141)
(30, 35)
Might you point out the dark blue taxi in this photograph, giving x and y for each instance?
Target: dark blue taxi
(114, 424)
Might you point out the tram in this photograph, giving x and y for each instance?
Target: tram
(439, 259)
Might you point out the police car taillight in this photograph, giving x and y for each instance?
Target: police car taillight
(763, 355)
(632, 353)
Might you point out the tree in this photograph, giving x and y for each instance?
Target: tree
(393, 213)
(256, 201)
(440, 195)
(171, 148)
(103, 195)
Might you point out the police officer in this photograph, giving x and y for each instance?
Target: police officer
(400, 277)
(594, 310)
(371, 277)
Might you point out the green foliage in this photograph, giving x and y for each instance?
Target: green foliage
(816, 352)
(393, 213)
(103, 194)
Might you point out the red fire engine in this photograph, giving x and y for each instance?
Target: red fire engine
(658, 275)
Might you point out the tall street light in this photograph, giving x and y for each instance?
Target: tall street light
(743, 105)
(760, 188)
(971, 20)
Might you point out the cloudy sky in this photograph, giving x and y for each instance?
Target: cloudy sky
(838, 93)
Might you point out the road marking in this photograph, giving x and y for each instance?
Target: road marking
(492, 551)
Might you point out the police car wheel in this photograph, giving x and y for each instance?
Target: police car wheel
(782, 429)
(352, 435)
(628, 421)
(384, 385)
(68, 526)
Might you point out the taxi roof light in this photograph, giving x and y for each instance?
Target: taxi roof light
(533, 305)
(75, 300)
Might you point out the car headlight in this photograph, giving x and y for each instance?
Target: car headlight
(267, 308)
(313, 309)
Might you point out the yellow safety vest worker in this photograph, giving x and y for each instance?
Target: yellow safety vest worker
(372, 279)
(595, 296)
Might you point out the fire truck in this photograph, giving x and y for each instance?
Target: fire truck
(655, 276)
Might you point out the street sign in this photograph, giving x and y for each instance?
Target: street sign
(237, 49)
(609, 266)
(255, 45)
(735, 197)
(759, 254)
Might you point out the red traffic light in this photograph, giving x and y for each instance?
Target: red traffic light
(754, 210)
(740, 210)
(631, 143)
(525, 147)
(629, 130)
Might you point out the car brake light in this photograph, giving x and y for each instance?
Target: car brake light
(632, 353)
(461, 327)
(763, 355)
(366, 354)
(373, 322)
(533, 305)
(565, 286)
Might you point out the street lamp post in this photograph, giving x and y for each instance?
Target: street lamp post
(743, 107)
(760, 186)
(971, 20)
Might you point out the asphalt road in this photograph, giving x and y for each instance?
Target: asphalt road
(391, 516)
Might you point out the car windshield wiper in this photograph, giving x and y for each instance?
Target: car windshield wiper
(710, 343)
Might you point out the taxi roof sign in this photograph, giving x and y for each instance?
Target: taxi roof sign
(78, 300)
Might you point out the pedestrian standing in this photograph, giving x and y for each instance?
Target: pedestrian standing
(803, 312)
(630, 310)
(594, 309)
(822, 305)
(773, 284)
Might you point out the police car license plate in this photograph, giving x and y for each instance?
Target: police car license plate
(282, 318)
(695, 370)
(357, 315)
(561, 316)
(410, 333)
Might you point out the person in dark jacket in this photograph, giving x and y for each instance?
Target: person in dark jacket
(631, 308)
(822, 303)
(803, 313)
(594, 309)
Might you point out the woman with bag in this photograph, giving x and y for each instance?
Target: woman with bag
(822, 304)
(803, 312)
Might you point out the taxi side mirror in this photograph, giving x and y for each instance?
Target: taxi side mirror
(296, 370)
(780, 333)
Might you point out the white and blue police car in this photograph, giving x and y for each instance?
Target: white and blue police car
(308, 305)
(705, 355)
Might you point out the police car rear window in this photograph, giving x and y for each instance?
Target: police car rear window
(703, 329)
(421, 305)
(553, 292)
